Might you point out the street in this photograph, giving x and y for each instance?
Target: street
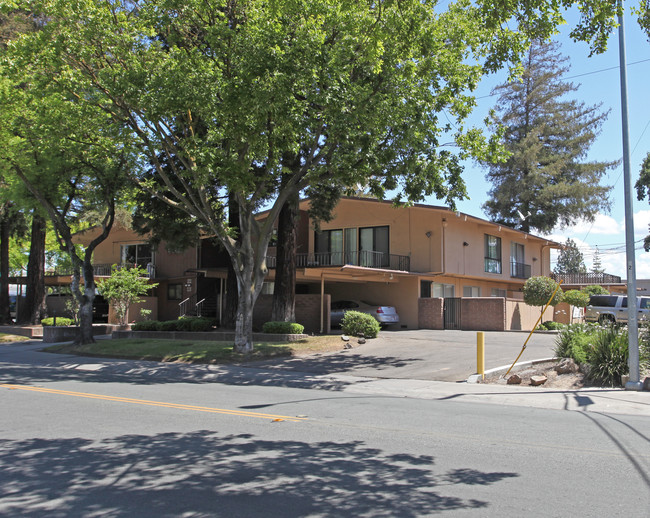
(73, 443)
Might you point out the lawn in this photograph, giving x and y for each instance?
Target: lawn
(197, 351)
(4, 338)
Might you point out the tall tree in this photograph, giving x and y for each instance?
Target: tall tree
(353, 91)
(546, 180)
(643, 188)
(597, 266)
(570, 259)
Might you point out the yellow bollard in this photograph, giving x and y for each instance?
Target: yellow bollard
(480, 353)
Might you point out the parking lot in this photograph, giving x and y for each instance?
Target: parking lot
(423, 354)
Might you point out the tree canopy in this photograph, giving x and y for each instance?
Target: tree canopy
(546, 180)
(257, 99)
(570, 259)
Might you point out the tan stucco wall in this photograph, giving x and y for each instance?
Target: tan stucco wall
(521, 316)
(443, 251)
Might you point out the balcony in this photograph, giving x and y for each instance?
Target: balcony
(364, 258)
(520, 270)
(586, 278)
(100, 270)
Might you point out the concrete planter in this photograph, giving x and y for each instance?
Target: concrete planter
(54, 334)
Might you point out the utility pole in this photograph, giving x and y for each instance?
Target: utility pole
(632, 326)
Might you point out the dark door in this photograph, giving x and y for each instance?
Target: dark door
(451, 311)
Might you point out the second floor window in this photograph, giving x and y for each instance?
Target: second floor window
(492, 254)
(140, 254)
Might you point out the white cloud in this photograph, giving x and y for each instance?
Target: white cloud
(602, 225)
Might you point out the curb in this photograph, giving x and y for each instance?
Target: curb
(474, 378)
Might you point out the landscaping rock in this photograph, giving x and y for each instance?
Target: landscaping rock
(514, 380)
(362, 340)
(567, 366)
(538, 380)
(345, 338)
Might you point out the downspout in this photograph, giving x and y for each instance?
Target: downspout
(442, 246)
(322, 301)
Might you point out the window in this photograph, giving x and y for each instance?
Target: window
(140, 255)
(373, 248)
(471, 291)
(329, 247)
(174, 291)
(364, 246)
(442, 290)
(496, 292)
(518, 269)
(492, 254)
(267, 288)
(425, 289)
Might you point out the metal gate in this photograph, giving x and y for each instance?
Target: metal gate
(451, 313)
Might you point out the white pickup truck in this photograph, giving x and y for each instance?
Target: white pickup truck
(607, 309)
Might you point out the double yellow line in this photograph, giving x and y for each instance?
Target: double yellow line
(154, 403)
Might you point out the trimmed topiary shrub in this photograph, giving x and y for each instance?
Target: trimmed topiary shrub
(355, 323)
(283, 328)
(146, 325)
(60, 321)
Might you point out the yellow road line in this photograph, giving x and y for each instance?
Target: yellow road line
(153, 403)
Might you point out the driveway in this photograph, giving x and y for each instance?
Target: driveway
(422, 354)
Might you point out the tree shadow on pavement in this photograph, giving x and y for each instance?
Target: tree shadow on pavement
(295, 373)
(206, 474)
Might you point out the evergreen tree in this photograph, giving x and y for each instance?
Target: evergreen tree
(546, 180)
(597, 266)
(570, 259)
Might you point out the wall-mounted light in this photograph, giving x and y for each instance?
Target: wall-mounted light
(428, 233)
(465, 243)
(534, 259)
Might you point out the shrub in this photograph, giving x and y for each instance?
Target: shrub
(356, 323)
(168, 325)
(60, 321)
(574, 341)
(283, 328)
(146, 325)
(579, 299)
(595, 289)
(201, 324)
(608, 356)
(549, 325)
(538, 291)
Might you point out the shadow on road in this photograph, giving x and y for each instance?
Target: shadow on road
(206, 474)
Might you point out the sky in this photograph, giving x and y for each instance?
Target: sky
(598, 79)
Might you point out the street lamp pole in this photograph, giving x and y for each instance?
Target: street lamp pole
(632, 326)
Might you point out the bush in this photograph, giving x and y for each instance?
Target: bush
(579, 299)
(574, 342)
(549, 325)
(608, 356)
(168, 325)
(60, 321)
(201, 324)
(355, 323)
(283, 328)
(146, 325)
(538, 291)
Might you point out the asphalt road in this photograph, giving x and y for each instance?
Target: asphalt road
(87, 437)
(423, 354)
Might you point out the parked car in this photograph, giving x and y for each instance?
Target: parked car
(612, 309)
(383, 314)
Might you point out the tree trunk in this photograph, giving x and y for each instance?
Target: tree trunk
(5, 313)
(85, 300)
(35, 292)
(284, 293)
(229, 315)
